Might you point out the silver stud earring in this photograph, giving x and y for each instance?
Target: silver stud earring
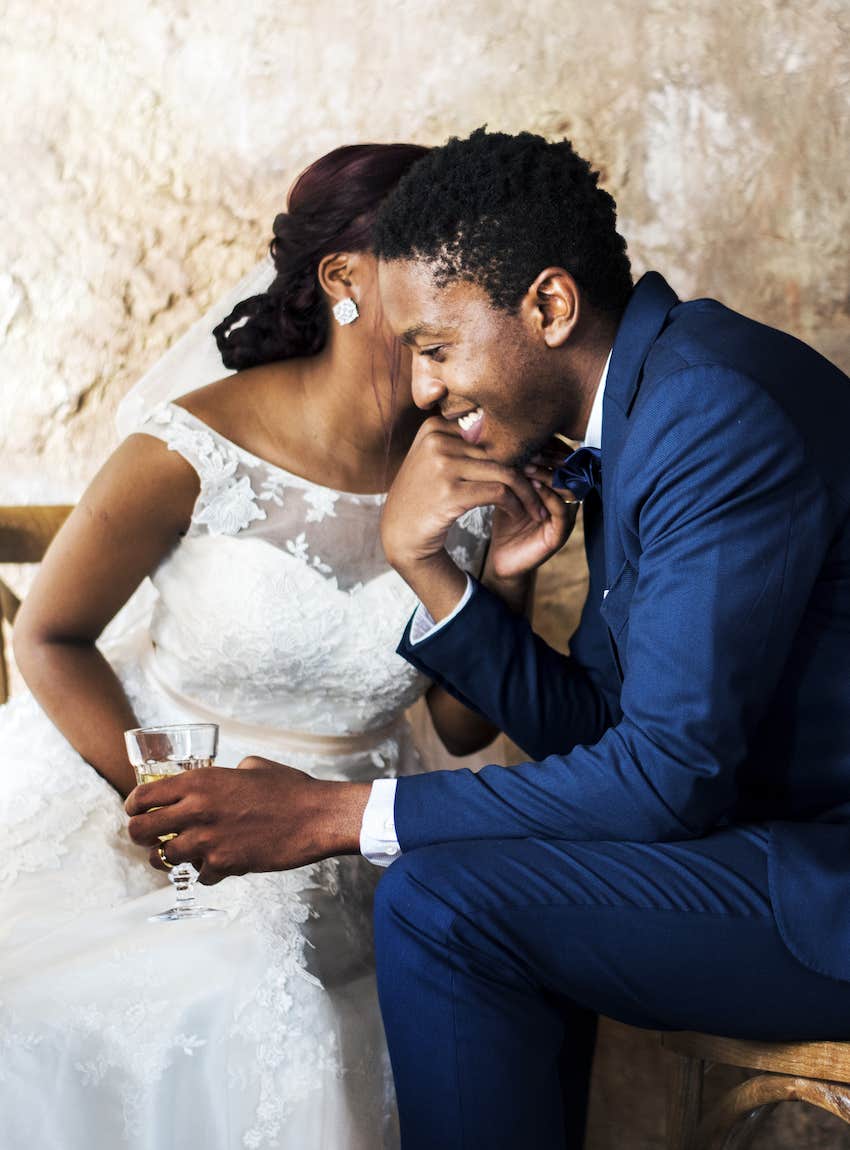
(345, 311)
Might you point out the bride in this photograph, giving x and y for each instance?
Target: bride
(252, 504)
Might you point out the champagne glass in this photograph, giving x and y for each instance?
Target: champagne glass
(155, 753)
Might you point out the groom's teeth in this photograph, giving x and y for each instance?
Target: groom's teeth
(470, 420)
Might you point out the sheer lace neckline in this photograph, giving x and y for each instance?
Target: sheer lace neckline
(258, 461)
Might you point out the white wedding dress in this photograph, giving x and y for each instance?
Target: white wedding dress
(278, 617)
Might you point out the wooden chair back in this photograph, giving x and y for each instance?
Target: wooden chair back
(25, 535)
(813, 1072)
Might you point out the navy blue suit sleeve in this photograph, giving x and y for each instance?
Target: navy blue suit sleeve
(545, 701)
(733, 523)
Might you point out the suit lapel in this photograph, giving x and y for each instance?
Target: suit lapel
(645, 316)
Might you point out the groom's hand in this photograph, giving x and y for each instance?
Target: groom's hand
(263, 817)
(519, 546)
(441, 478)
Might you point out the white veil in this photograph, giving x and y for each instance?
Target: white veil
(191, 362)
(194, 360)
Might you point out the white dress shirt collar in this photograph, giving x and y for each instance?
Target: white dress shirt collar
(593, 435)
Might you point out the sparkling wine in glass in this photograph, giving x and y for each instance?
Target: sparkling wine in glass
(155, 753)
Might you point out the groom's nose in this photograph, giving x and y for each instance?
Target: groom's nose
(427, 390)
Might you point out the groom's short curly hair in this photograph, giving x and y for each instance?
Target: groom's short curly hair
(497, 209)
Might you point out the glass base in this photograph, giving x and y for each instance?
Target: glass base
(178, 913)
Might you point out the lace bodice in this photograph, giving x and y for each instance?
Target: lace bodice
(278, 607)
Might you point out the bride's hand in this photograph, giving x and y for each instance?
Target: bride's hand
(265, 817)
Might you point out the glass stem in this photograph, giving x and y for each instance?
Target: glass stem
(183, 878)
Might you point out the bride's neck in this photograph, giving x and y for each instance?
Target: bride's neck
(348, 400)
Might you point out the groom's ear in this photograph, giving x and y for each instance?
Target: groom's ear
(551, 305)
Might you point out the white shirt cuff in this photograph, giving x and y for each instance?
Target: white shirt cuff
(423, 623)
(378, 840)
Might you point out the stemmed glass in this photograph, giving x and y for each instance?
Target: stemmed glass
(155, 753)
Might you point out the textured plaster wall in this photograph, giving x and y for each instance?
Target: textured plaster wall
(146, 147)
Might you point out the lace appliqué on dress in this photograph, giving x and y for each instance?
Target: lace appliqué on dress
(227, 503)
(477, 522)
(321, 501)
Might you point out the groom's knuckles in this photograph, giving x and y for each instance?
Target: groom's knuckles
(146, 828)
(501, 495)
(161, 793)
(524, 492)
(512, 481)
(186, 847)
(221, 859)
(428, 428)
(442, 468)
(142, 830)
(209, 877)
(139, 799)
(200, 806)
(252, 763)
(217, 858)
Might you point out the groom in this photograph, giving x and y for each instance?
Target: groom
(676, 852)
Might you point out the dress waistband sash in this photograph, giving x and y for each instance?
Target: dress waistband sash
(295, 742)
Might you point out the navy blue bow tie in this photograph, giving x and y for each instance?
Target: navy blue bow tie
(580, 472)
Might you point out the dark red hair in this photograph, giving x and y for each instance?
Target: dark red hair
(331, 207)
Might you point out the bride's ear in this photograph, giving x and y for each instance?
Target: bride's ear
(338, 276)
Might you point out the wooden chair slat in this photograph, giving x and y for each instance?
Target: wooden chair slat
(737, 1116)
(814, 1072)
(25, 535)
(9, 603)
(827, 1060)
(26, 532)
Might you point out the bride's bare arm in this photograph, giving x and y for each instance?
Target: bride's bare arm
(127, 521)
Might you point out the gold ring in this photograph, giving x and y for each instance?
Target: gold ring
(160, 850)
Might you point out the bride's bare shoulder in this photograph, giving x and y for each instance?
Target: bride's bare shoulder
(235, 405)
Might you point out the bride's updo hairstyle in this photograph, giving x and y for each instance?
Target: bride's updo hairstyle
(331, 207)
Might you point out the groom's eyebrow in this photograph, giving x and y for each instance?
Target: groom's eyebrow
(416, 332)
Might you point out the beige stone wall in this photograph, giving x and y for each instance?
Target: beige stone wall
(146, 147)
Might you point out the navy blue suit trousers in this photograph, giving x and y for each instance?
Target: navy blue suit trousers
(494, 956)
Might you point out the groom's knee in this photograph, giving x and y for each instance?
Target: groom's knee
(414, 896)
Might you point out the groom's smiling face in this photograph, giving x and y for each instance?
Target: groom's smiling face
(484, 368)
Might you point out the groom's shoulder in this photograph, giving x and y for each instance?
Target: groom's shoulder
(704, 337)
(706, 357)
(719, 377)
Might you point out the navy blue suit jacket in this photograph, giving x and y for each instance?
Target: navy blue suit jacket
(708, 683)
